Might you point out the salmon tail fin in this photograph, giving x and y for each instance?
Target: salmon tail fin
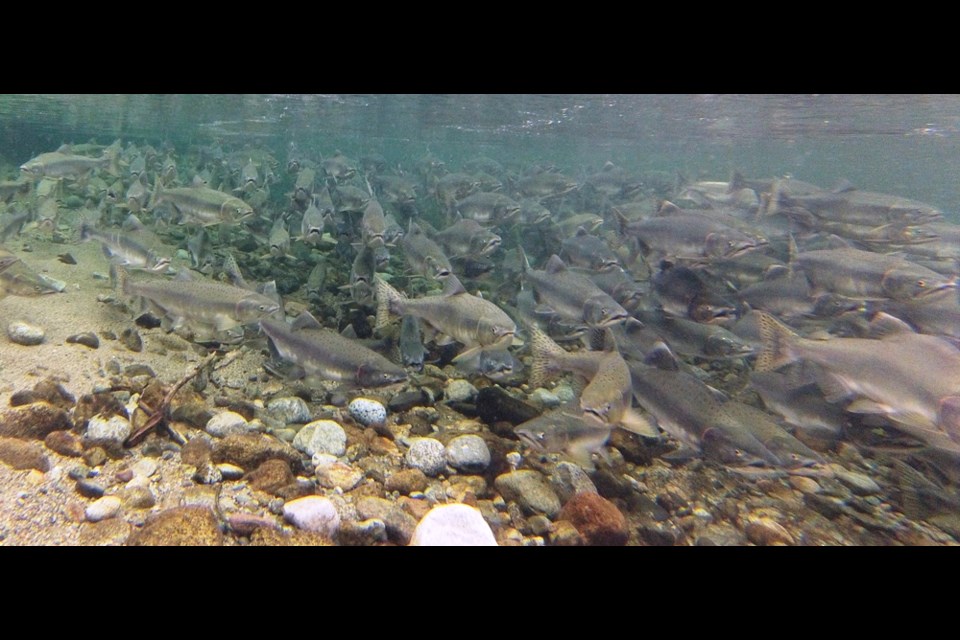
(777, 338)
(387, 299)
(546, 356)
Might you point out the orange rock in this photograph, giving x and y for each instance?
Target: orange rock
(597, 519)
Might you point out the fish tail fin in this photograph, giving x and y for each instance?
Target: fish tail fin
(547, 355)
(387, 300)
(777, 338)
(120, 279)
(775, 201)
(111, 154)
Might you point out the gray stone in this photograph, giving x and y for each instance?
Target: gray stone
(459, 391)
(858, 483)
(428, 455)
(145, 467)
(468, 453)
(367, 412)
(290, 410)
(453, 525)
(25, 333)
(529, 490)
(544, 398)
(321, 436)
(565, 393)
(313, 513)
(113, 430)
(103, 508)
(226, 423)
(363, 533)
(568, 479)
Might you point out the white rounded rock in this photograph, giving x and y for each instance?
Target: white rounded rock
(290, 410)
(227, 423)
(321, 436)
(459, 391)
(103, 508)
(313, 513)
(453, 525)
(113, 429)
(367, 412)
(428, 455)
(468, 453)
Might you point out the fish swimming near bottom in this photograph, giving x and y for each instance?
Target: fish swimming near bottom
(325, 354)
(201, 304)
(565, 431)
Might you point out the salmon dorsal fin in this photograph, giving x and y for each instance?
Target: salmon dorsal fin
(452, 286)
(661, 357)
(305, 321)
(883, 325)
(555, 265)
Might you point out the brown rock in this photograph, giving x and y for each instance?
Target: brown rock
(112, 532)
(765, 531)
(416, 508)
(270, 476)
(66, 443)
(564, 534)
(197, 452)
(406, 481)
(597, 519)
(95, 456)
(250, 450)
(33, 421)
(47, 390)
(268, 537)
(91, 404)
(180, 527)
(138, 497)
(21, 454)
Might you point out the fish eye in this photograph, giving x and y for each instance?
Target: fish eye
(921, 283)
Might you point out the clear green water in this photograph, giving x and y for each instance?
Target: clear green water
(902, 144)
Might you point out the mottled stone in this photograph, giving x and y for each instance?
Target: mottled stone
(564, 534)
(406, 481)
(108, 433)
(270, 476)
(399, 524)
(367, 412)
(565, 393)
(21, 454)
(313, 513)
(145, 467)
(226, 423)
(468, 453)
(321, 436)
(112, 532)
(253, 449)
(34, 421)
(47, 390)
(597, 519)
(826, 505)
(66, 443)
(363, 533)
(659, 534)
(766, 531)
(530, 490)
(103, 508)
(269, 537)
(459, 391)
(720, 535)
(453, 525)
(428, 455)
(859, 484)
(338, 474)
(544, 398)
(196, 452)
(568, 479)
(25, 334)
(180, 527)
(137, 497)
(290, 410)
(95, 456)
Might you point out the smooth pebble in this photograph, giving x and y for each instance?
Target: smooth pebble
(428, 455)
(24, 333)
(313, 513)
(103, 508)
(321, 436)
(459, 391)
(468, 453)
(453, 525)
(226, 423)
(291, 410)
